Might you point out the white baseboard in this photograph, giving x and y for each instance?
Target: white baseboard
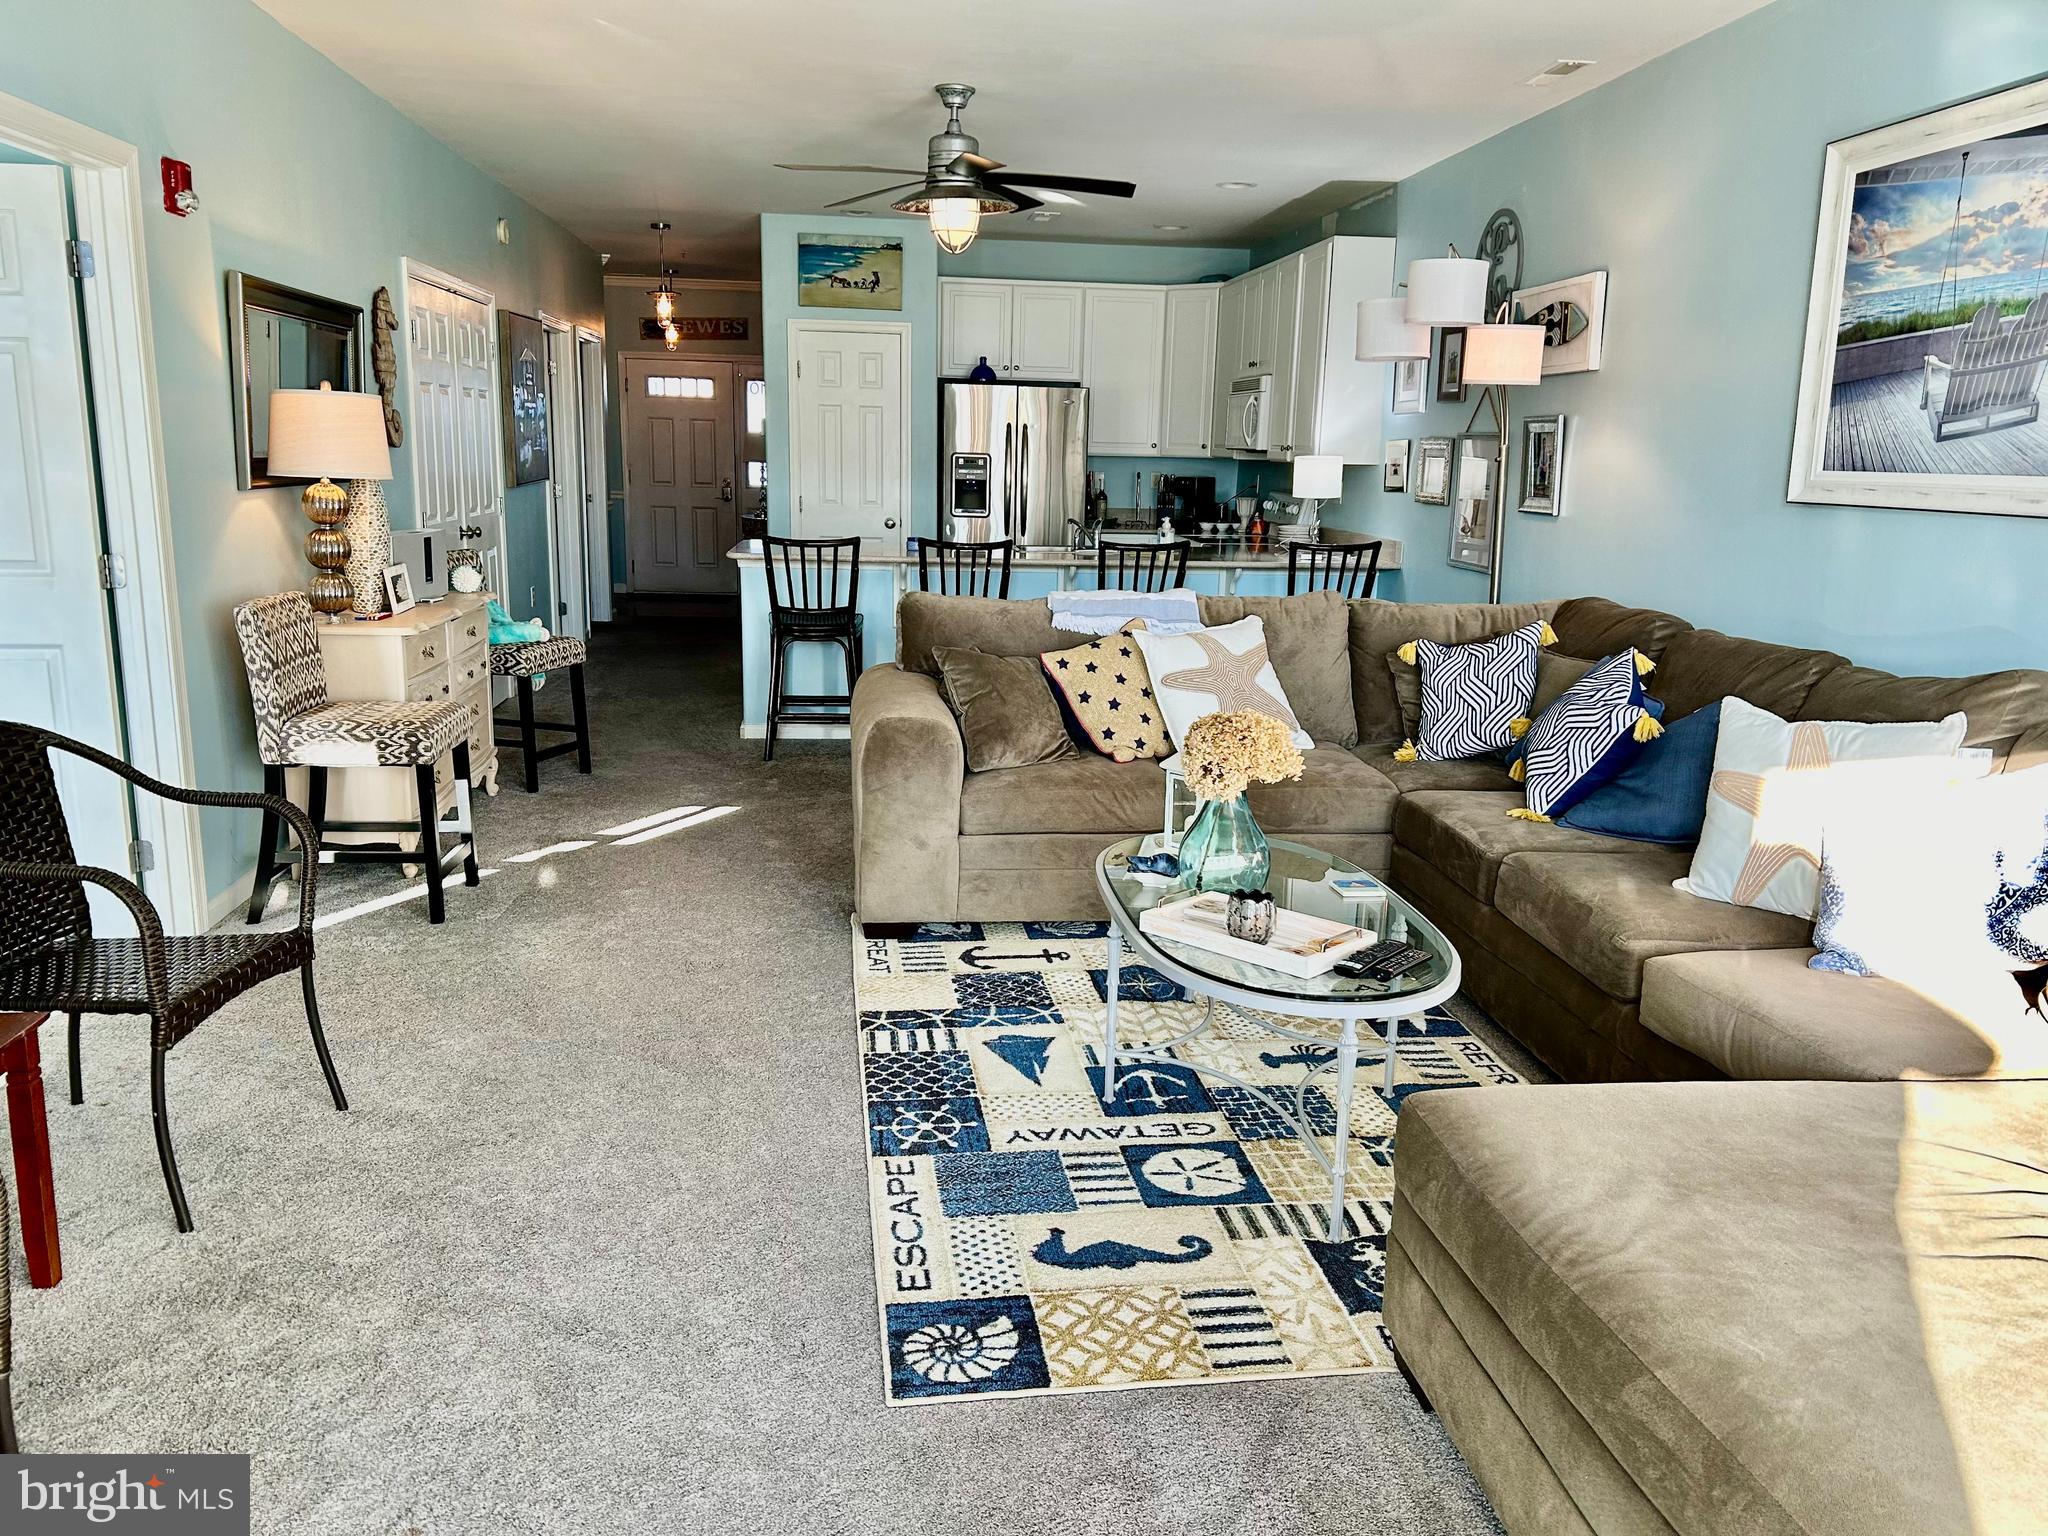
(804, 731)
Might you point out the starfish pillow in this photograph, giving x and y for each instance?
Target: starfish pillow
(1214, 671)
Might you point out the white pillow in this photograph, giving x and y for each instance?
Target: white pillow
(1777, 781)
(1951, 899)
(1214, 671)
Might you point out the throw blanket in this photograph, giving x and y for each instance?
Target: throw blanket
(506, 630)
(1173, 612)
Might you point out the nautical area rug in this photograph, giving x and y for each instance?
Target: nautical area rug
(1028, 1239)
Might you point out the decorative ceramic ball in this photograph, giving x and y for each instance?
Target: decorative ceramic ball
(466, 578)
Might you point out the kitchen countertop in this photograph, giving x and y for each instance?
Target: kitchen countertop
(1205, 554)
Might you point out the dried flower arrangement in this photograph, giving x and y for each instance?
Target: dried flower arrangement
(1226, 752)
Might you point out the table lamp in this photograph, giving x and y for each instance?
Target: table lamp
(327, 433)
(1318, 477)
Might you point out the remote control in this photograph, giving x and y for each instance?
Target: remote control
(1383, 962)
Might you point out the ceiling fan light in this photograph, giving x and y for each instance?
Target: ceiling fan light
(955, 221)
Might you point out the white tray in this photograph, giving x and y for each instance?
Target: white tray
(1201, 920)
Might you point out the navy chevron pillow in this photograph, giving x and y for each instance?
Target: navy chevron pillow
(1475, 698)
(1587, 737)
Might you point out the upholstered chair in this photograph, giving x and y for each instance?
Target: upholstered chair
(51, 961)
(523, 661)
(297, 725)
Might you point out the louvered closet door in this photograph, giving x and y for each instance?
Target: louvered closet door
(455, 457)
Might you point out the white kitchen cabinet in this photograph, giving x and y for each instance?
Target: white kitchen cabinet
(1338, 403)
(1126, 338)
(1046, 327)
(1253, 353)
(1188, 373)
(1229, 354)
(1276, 352)
(1027, 331)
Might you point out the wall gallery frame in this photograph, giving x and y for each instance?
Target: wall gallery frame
(1927, 327)
(1573, 314)
(1472, 526)
(849, 272)
(1394, 472)
(1543, 465)
(1432, 479)
(1411, 382)
(1450, 364)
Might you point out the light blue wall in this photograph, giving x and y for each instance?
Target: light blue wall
(307, 178)
(1695, 182)
(920, 311)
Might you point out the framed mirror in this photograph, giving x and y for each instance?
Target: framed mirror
(283, 338)
(1472, 527)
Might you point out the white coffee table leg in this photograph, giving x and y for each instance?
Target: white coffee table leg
(1112, 983)
(1393, 1034)
(1340, 1153)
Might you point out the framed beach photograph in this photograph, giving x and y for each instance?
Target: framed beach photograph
(1472, 526)
(1573, 314)
(1411, 380)
(1432, 479)
(523, 360)
(1927, 327)
(849, 272)
(1543, 465)
(1450, 364)
(1394, 473)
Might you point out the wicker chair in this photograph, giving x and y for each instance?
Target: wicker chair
(51, 963)
(10, 1443)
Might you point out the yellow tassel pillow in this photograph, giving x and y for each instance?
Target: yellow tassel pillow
(1476, 697)
(1589, 735)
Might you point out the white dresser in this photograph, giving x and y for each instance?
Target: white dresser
(438, 652)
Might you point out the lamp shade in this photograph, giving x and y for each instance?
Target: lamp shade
(1386, 334)
(1504, 354)
(1447, 290)
(1319, 475)
(954, 222)
(327, 433)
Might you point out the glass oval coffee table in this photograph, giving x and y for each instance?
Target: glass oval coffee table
(1300, 881)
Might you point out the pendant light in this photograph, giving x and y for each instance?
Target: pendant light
(663, 295)
(671, 338)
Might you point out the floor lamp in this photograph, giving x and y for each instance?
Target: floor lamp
(1500, 356)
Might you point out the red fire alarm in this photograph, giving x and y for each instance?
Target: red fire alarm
(179, 198)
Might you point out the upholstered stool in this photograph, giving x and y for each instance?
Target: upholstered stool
(298, 726)
(522, 661)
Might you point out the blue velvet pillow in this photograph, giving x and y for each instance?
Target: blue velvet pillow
(1661, 797)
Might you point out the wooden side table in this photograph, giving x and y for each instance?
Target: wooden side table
(21, 1063)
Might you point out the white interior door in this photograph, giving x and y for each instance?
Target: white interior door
(849, 435)
(682, 505)
(597, 533)
(565, 488)
(56, 647)
(457, 474)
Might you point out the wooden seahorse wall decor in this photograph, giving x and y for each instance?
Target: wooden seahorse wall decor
(384, 363)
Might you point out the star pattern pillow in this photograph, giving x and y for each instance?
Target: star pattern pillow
(1215, 671)
(1593, 731)
(1106, 694)
(1476, 697)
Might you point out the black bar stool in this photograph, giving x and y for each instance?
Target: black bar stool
(963, 570)
(813, 595)
(1348, 568)
(1153, 566)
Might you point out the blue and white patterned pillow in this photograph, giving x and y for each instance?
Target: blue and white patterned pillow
(1476, 697)
(1587, 737)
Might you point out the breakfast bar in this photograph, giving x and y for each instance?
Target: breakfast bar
(1216, 567)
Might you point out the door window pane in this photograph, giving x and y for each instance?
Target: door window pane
(680, 389)
(757, 474)
(757, 407)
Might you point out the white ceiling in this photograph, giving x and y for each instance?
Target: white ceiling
(608, 113)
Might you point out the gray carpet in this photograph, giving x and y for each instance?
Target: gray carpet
(590, 1250)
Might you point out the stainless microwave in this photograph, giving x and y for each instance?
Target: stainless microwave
(1246, 429)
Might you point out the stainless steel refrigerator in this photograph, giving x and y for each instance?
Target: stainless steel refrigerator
(1013, 461)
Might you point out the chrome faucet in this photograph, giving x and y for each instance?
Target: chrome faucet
(1081, 537)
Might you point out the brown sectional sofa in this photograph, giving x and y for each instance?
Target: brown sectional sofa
(1810, 1305)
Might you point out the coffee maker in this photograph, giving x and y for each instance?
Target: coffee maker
(1189, 500)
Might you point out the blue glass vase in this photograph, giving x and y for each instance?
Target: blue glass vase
(1224, 850)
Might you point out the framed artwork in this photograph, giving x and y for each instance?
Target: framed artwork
(849, 272)
(1573, 314)
(1394, 472)
(1472, 525)
(1450, 363)
(398, 589)
(1543, 465)
(1927, 328)
(1432, 479)
(523, 360)
(1411, 378)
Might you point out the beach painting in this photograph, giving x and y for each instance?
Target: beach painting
(849, 272)
(1926, 365)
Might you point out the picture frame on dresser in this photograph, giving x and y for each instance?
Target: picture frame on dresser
(398, 595)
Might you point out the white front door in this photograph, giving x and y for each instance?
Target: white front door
(565, 487)
(682, 506)
(457, 475)
(849, 422)
(56, 647)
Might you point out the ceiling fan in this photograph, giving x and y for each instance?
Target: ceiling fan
(959, 184)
